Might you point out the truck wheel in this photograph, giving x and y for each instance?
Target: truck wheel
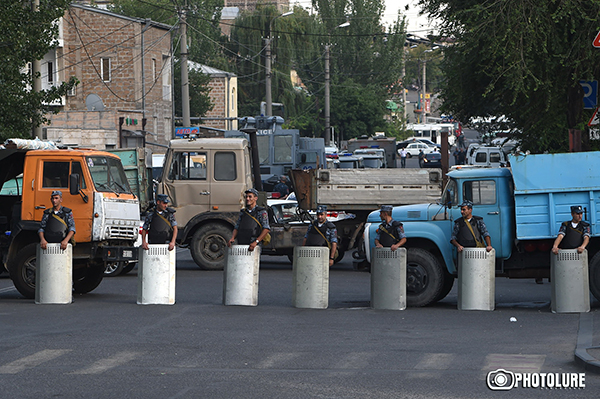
(424, 277)
(22, 271)
(340, 256)
(113, 269)
(209, 246)
(446, 286)
(594, 271)
(128, 267)
(91, 279)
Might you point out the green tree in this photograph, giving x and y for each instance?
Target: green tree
(520, 59)
(363, 55)
(26, 35)
(199, 92)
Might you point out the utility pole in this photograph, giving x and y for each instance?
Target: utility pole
(268, 98)
(268, 61)
(424, 90)
(36, 69)
(327, 95)
(404, 83)
(185, 87)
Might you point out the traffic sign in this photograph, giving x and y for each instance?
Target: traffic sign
(596, 42)
(590, 93)
(595, 121)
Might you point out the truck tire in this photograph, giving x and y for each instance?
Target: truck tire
(129, 266)
(341, 253)
(91, 279)
(594, 271)
(424, 278)
(446, 286)
(113, 269)
(209, 246)
(22, 270)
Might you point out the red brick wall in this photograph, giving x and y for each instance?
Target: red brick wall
(88, 37)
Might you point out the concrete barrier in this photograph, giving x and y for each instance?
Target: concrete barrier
(54, 275)
(156, 275)
(570, 286)
(476, 279)
(388, 279)
(240, 277)
(310, 278)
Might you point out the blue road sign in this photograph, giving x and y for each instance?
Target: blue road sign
(590, 93)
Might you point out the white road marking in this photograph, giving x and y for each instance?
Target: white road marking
(435, 361)
(103, 365)
(32, 361)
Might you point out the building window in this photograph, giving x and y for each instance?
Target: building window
(50, 73)
(153, 69)
(105, 69)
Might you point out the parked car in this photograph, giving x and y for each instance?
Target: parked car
(432, 160)
(414, 149)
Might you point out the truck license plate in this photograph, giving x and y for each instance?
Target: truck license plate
(128, 254)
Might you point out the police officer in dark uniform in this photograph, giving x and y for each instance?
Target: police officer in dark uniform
(322, 233)
(574, 233)
(282, 187)
(253, 223)
(57, 225)
(470, 231)
(390, 233)
(160, 226)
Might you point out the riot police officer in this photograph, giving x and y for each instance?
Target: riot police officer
(390, 233)
(57, 225)
(470, 231)
(160, 226)
(253, 223)
(574, 233)
(322, 233)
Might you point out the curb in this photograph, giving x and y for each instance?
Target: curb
(584, 342)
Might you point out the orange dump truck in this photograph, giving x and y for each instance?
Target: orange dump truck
(94, 186)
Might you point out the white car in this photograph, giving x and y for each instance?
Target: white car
(413, 149)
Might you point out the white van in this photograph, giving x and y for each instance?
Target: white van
(479, 155)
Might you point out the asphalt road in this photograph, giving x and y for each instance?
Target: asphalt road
(104, 345)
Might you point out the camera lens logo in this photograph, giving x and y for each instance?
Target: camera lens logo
(500, 380)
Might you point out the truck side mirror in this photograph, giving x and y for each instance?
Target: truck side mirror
(74, 187)
(74, 184)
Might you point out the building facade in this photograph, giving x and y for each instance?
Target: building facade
(124, 69)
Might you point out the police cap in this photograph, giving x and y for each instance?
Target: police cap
(162, 197)
(252, 190)
(386, 208)
(56, 192)
(321, 208)
(576, 209)
(467, 203)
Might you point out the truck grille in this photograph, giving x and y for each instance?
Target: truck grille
(121, 232)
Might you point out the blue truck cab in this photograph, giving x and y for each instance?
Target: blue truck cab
(522, 207)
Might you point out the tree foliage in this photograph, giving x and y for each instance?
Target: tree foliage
(522, 59)
(365, 64)
(20, 107)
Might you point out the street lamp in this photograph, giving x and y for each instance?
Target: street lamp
(268, 98)
(327, 93)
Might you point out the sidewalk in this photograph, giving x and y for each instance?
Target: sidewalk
(587, 351)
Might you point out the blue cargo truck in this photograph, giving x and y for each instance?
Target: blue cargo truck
(522, 206)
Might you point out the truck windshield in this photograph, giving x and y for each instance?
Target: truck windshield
(451, 193)
(283, 148)
(108, 175)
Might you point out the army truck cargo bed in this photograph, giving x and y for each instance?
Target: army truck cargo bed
(365, 189)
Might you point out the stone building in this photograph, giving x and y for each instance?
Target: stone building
(223, 97)
(124, 69)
